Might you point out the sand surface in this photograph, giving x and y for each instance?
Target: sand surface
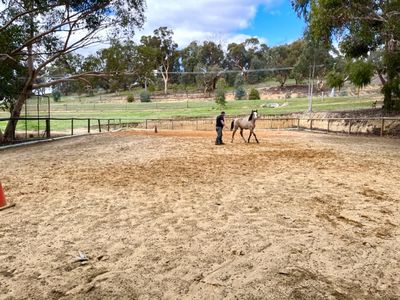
(172, 216)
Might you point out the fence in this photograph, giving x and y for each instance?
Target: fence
(45, 127)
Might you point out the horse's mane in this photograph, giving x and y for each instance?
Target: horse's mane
(251, 116)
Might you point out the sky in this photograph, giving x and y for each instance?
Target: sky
(223, 21)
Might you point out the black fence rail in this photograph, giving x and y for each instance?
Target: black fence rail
(33, 128)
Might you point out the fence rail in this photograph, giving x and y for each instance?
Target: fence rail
(48, 127)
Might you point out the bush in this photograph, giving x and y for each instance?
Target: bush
(220, 97)
(239, 80)
(144, 96)
(130, 98)
(240, 93)
(221, 84)
(56, 95)
(254, 95)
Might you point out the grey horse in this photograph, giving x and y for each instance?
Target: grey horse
(245, 123)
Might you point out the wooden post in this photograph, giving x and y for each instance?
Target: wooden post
(298, 123)
(98, 121)
(72, 126)
(88, 125)
(349, 127)
(48, 128)
(108, 125)
(329, 121)
(172, 124)
(146, 123)
(311, 121)
(382, 126)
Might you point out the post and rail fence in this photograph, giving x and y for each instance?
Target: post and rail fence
(32, 128)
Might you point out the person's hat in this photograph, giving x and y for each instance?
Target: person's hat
(222, 112)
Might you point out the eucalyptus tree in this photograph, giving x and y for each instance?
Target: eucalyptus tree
(161, 47)
(362, 27)
(49, 30)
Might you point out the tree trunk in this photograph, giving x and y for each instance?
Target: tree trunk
(166, 84)
(9, 133)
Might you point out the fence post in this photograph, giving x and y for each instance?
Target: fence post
(98, 121)
(298, 123)
(72, 126)
(108, 125)
(48, 128)
(146, 123)
(311, 121)
(382, 126)
(172, 124)
(88, 125)
(329, 121)
(350, 127)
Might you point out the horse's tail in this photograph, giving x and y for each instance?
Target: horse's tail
(233, 121)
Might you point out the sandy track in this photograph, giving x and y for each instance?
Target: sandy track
(170, 215)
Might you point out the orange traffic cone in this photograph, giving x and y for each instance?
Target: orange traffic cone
(3, 202)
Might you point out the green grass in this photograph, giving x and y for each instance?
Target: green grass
(165, 110)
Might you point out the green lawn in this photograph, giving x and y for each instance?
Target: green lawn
(190, 108)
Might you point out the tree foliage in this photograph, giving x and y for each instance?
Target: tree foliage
(363, 28)
(44, 32)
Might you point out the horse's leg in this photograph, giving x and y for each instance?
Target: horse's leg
(251, 132)
(255, 137)
(233, 134)
(241, 133)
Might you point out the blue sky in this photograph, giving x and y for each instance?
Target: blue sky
(277, 25)
(225, 21)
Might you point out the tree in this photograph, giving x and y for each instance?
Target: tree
(360, 73)
(163, 50)
(48, 30)
(335, 79)
(363, 27)
(282, 58)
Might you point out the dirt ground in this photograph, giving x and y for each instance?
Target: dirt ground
(172, 216)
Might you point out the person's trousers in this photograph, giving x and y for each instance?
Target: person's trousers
(218, 141)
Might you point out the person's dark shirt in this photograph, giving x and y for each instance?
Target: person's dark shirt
(220, 121)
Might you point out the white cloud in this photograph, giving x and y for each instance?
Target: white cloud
(200, 20)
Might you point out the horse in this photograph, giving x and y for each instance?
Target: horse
(245, 123)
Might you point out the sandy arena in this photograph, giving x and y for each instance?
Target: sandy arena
(172, 216)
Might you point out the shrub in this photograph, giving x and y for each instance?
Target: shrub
(130, 98)
(254, 94)
(221, 84)
(56, 95)
(220, 97)
(144, 96)
(240, 93)
(239, 80)
(335, 80)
